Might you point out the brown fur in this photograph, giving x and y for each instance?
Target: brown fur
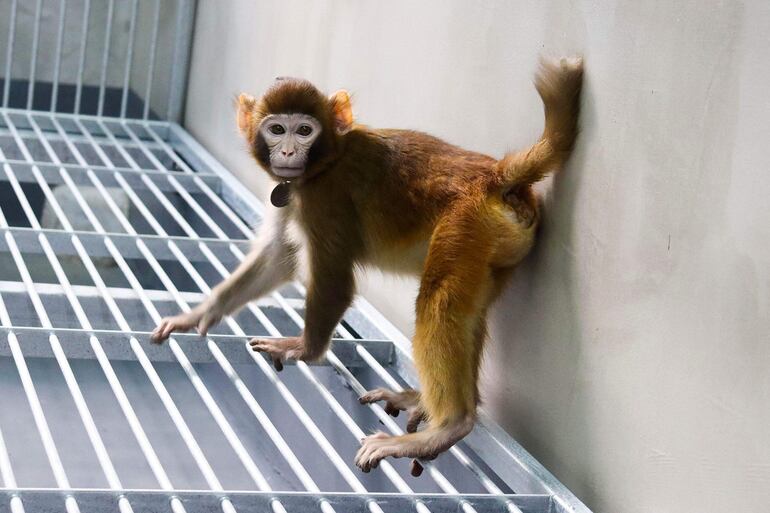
(409, 202)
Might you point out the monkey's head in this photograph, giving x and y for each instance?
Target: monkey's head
(294, 130)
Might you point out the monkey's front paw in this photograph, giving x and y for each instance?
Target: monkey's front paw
(279, 349)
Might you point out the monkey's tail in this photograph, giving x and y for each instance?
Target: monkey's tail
(559, 82)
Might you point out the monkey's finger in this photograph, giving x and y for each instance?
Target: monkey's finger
(163, 332)
(204, 325)
(372, 396)
(416, 469)
(277, 363)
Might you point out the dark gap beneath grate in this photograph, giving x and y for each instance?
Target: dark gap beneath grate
(89, 102)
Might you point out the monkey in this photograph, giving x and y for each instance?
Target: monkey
(351, 196)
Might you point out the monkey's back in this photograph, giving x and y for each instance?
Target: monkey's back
(402, 182)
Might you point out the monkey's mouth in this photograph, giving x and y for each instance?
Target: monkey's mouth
(288, 172)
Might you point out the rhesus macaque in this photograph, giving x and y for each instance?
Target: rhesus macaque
(403, 201)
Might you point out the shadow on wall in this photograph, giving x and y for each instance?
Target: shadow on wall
(533, 359)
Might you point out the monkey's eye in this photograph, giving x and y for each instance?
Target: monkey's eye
(277, 130)
(305, 130)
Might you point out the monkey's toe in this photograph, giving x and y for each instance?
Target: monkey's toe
(374, 448)
(416, 416)
(278, 349)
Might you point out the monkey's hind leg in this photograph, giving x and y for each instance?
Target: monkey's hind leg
(396, 402)
(454, 293)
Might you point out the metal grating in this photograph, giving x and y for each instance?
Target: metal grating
(91, 408)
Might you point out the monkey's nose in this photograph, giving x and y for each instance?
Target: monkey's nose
(287, 153)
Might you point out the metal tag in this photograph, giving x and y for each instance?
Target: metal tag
(281, 195)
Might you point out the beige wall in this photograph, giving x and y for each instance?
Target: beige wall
(631, 352)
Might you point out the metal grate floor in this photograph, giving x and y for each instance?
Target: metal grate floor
(108, 224)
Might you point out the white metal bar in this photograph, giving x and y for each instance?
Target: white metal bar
(52, 289)
(129, 57)
(96, 146)
(57, 65)
(180, 59)
(82, 59)
(105, 57)
(157, 383)
(6, 470)
(96, 167)
(33, 64)
(151, 64)
(9, 53)
(96, 118)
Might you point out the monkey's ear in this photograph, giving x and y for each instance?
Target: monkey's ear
(246, 104)
(342, 111)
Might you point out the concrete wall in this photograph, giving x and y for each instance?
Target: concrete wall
(631, 352)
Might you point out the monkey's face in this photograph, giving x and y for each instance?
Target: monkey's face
(294, 130)
(286, 141)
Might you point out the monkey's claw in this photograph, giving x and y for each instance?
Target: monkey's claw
(279, 349)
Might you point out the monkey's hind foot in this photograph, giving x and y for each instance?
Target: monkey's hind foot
(425, 445)
(279, 349)
(396, 402)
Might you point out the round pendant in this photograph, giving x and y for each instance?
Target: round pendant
(281, 195)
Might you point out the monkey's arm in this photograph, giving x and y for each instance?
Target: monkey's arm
(271, 262)
(330, 291)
